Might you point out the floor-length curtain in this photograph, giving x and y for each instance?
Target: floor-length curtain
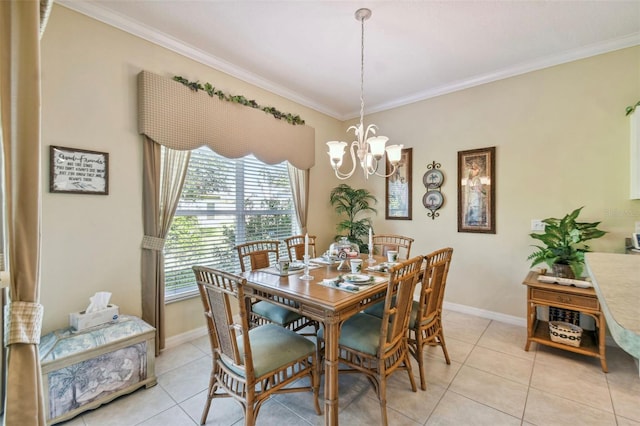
(20, 114)
(163, 178)
(300, 190)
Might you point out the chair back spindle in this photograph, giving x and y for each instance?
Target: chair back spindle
(382, 243)
(258, 254)
(295, 247)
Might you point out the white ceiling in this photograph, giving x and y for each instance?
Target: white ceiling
(309, 51)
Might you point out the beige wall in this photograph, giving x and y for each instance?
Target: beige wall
(561, 135)
(562, 141)
(92, 243)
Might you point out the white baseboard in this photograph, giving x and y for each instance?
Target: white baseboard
(179, 339)
(482, 313)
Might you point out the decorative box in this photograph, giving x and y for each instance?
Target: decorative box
(565, 333)
(82, 370)
(83, 320)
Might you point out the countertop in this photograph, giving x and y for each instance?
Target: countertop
(616, 280)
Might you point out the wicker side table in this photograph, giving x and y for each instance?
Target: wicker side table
(583, 300)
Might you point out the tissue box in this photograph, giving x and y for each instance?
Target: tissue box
(82, 320)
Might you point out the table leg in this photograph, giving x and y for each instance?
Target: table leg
(332, 330)
(531, 311)
(602, 328)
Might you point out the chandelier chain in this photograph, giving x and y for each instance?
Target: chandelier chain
(362, 72)
(369, 152)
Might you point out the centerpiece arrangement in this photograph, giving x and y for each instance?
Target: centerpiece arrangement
(564, 247)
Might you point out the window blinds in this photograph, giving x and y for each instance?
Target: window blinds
(225, 202)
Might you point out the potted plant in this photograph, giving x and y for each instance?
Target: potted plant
(352, 202)
(564, 246)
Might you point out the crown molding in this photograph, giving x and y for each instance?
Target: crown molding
(550, 61)
(147, 33)
(138, 29)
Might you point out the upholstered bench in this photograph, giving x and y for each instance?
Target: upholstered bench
(82, 370)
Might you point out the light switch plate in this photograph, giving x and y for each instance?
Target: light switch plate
(537, 225)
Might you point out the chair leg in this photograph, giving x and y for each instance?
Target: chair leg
(315, 383)
(443, 344)
(382, 396)
(249, 416)
(420, 359)
(207, 404)
(407, 361)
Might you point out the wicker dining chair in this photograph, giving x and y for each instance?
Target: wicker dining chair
(425, 327)
(376, 346)
(250, 365)
(382, 243)
(262, 254)
(295, 247)
(258, 254)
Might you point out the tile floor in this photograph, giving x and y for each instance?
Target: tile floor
(491, 381)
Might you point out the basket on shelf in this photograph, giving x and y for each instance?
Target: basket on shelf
(565, 333)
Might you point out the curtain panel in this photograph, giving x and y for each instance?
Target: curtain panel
(300, 189)
(21, 25)
(162, 185)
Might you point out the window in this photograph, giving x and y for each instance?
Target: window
(224, 202)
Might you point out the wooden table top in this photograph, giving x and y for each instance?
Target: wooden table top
(313, 292)
(531, 280)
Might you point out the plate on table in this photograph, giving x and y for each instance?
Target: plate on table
(358, 279)
(383, 266)
(295, 266)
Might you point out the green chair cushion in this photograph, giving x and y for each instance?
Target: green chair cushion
(275, 313)
(273, 346)
(360, 332)
(377, 310)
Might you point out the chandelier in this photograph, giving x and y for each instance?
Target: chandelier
(370, 150)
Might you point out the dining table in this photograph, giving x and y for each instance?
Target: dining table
(322, 301)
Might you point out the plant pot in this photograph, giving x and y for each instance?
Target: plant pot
(562, 271)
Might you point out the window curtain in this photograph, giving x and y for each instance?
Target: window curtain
(20, 115)
(163, 179)
(300, 189)
(174, 116)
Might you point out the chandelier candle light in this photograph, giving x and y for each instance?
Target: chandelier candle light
(369, 150)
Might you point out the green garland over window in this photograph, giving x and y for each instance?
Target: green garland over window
(632, 108)
(239, 99)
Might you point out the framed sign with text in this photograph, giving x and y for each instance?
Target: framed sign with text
(78, 171)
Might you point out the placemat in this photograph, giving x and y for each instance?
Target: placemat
(341, 285)
(274, 271)
(322, 261)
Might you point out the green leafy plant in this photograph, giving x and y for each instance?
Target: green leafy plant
(632, 108)
(563, 241)
(239, 99)
(353, 202)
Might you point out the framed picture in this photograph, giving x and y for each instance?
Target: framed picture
(477, 191)
(398, 188)
(78, 171)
